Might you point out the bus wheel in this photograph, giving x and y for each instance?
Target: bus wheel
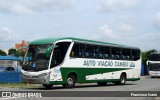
(122, 80)
(102, 83)
(47, 86)
(70, 82)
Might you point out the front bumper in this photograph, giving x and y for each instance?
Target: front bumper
(154, 74)
(35, 79)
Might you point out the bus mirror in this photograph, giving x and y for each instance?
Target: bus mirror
(147, 62)
(19, 51)
(49, 50)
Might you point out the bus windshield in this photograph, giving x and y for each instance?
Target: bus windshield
(154, 66)
(35, 58)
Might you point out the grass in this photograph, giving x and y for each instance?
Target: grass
(18, 85)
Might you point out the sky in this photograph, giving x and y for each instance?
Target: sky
(128, 22)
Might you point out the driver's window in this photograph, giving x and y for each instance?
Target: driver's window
(59, 53)
(56, 58)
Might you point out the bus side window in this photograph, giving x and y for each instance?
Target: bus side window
(94, 51)
(87, 53)
(78, 50)
(81, 51)
(116, 53)
(91, 51)
(126, 54)
(74, 51)
(106, 52)
(135, 54)
(101, 52)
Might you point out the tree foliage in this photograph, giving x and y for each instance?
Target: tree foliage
(2, 53)
(12, 52)
(145, 55)
(22, 54)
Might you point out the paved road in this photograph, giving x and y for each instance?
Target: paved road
(145, 84)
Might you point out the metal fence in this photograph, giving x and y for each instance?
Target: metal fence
(144, 70)
(10, 77)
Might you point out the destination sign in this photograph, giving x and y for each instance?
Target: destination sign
(108, 63)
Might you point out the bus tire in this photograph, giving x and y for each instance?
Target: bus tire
(70, 82)
(47, 86)
(102, 83)
(122, 80)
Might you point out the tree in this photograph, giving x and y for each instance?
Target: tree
(22, 54)
(145, 55)
(2, 53)
(12, 52)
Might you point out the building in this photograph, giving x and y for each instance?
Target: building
(22, 44)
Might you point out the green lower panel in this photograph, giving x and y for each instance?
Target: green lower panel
(83, 72)
(94, 81)
(133, 79)
(107, 80)
(56, 82)
(87, 81)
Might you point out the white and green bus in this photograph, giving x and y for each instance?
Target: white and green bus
(154, 65)
(68, 61)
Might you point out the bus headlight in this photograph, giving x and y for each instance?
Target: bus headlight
(44, 74)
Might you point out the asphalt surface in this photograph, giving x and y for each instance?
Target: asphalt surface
(146, 85)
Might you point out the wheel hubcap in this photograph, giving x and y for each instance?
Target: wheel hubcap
(70, 81)
(122, 80)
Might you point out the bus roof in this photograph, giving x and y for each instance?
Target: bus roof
(53, 40)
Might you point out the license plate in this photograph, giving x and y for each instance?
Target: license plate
(29, 81)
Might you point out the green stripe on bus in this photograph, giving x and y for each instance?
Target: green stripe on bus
(94, 81)
(83, 72)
